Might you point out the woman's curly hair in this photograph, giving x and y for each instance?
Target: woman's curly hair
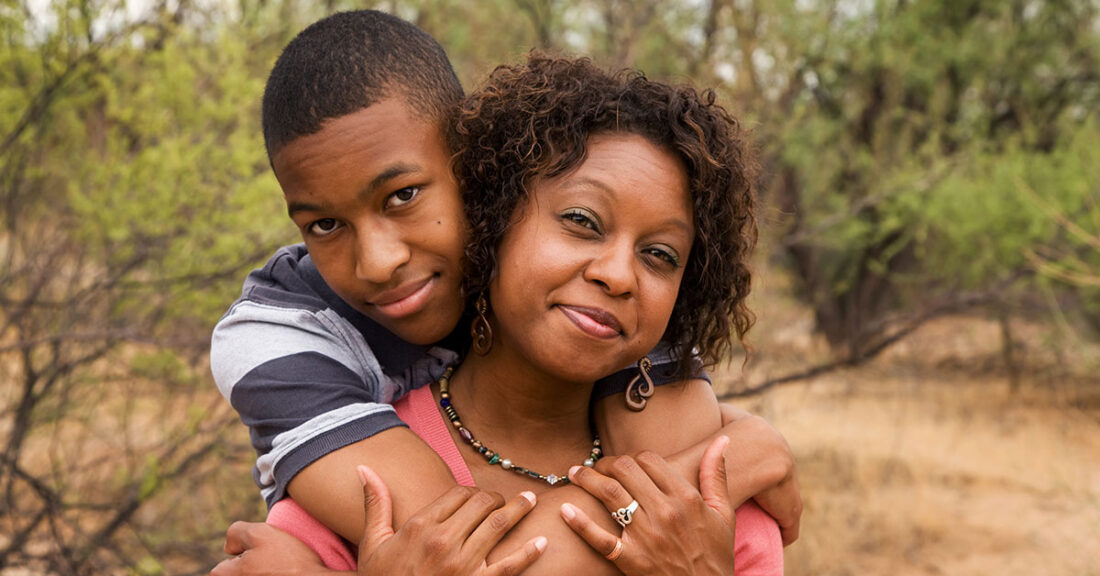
(534, 120)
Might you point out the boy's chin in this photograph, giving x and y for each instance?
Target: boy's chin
(424, 330)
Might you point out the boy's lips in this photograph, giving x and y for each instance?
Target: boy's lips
(405, 299)
(597, 323)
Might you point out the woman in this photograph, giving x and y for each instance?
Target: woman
(607, 212)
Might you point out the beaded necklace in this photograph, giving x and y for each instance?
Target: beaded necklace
(494, 458)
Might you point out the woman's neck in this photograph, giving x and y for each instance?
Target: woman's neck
(501, 397)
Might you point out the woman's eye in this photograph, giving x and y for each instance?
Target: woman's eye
(582, 218)
(665, 254)
(402, 196)
(324, 227)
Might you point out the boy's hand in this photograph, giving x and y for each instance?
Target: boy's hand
(260, 549)
(451, 536)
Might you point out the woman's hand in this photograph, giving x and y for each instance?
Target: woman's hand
(451, 536)
(675, 529)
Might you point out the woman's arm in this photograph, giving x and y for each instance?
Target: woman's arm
(681, 420)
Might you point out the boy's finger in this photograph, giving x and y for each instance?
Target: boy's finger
(378, 511)
(712, 479)
(600, 540)
(229, 567)
(498, 523)
(239, 537)
(520, 560)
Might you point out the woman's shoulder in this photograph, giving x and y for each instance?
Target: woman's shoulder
(758, 546)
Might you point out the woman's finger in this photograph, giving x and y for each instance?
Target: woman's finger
(472, 513)
(498, 523)
(599, 539)
(378, 511)
(446, 505)
(520, 560)
(610, 491)
(713, 484)
(663, 476)
(627, 471)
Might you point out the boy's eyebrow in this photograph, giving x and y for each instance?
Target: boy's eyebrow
(293, 208)
(392, 171)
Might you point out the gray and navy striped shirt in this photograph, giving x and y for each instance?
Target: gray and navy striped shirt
(309, 374)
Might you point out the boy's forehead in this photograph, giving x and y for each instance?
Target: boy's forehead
(372, 134)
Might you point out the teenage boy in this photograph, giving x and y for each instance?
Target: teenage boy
(356, 118)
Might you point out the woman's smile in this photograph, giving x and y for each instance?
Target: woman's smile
(597, 323)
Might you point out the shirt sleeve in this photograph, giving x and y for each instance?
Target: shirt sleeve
(304, 381)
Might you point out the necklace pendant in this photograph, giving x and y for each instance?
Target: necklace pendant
(552, 479)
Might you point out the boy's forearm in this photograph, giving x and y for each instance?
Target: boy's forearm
(678, 415)
(331, 492)
(759, 466)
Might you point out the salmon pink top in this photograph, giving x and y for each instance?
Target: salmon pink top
(758, 548)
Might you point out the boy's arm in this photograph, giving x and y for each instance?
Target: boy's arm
(679, 422)
(331, 492)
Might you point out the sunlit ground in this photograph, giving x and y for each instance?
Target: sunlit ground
(925, 462)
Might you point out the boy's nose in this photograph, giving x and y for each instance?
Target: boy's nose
(379, 253)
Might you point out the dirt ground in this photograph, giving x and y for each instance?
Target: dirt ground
(926, 462)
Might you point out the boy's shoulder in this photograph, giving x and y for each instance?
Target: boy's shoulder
(286, 310)
(287, 280)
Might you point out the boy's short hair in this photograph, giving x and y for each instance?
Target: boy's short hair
(350, 61)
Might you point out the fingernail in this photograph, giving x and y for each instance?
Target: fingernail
(530, 496)
(540, 543)
(362, 474)
(568, 511)
(573, 471)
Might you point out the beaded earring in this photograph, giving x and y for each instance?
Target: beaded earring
(641, 387)
(480, 330)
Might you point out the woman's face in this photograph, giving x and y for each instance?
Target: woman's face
(589, 272)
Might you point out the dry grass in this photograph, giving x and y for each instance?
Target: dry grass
(925, 462)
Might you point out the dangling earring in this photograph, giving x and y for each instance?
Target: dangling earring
(641, 387)
(480, 330)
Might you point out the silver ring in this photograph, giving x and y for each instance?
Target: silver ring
(625, 516)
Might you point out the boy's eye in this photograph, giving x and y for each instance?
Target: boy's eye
(583, 218)
(665, 254)
(323, 227)
(402, 196)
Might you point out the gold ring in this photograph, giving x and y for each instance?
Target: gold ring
(618, 551)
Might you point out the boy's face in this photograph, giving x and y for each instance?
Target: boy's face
(381, 214)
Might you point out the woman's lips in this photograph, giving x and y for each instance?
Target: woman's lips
(593, 321)
(405, 299)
